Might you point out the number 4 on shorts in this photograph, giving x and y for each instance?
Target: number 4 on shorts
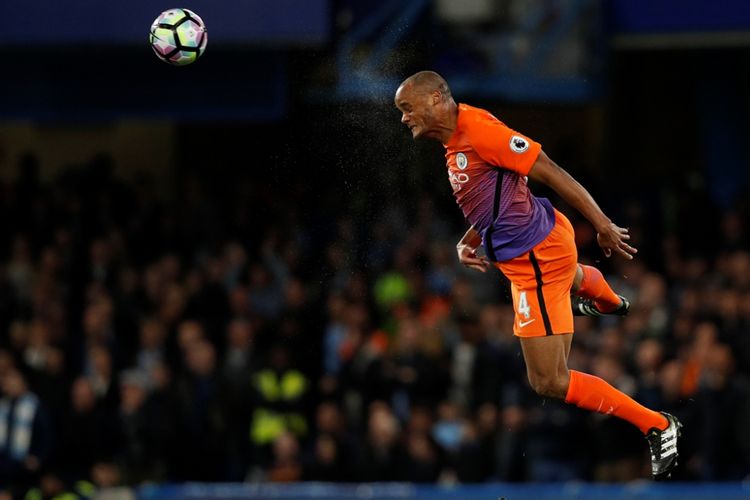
(523, 305)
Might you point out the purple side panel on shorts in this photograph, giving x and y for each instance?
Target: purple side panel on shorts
(523, 220)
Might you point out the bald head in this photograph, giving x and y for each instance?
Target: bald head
(428, 82)
(427, 106)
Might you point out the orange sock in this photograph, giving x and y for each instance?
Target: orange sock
(594, 394)
(594, 286)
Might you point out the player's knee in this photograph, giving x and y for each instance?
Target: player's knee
(549, 386)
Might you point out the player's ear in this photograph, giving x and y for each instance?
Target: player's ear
(436, 97)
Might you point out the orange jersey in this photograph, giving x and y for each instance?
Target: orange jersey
(487, 167)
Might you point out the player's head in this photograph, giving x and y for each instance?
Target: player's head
(424, 100)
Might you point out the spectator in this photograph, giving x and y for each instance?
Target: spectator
(725, 409)
(102, 375)
(26, 440)
(332, 450)
(286, 466)
(474, 368)
(151, 345)
(280, 396)
(88, 433)
(240, 362)
(475, 460)
(414, 377)
(201, 424)
(327, 462)
(383, 457)
(422, 461)
(144, 430)
(239, 358)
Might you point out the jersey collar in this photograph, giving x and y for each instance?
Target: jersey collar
(457, 132)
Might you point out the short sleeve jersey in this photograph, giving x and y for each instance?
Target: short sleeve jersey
(487, 167)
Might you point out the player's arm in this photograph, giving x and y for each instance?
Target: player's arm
(467, 251)
(609, 235)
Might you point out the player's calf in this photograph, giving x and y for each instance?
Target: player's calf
(550, 386)
(594, 295)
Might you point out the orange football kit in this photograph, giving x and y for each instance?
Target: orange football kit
(532, 244)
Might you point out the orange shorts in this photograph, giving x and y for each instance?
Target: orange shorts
(540, 283)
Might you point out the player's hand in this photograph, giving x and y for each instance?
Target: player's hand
(468, 257)
(613, 239)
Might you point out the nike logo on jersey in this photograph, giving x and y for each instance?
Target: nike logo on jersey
(521, 324)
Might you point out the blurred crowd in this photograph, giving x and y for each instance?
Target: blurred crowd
(257, 337)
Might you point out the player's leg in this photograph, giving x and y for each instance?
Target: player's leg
(547, 364)
(541, 282)
(598, 297)
(549, 376)
(547, 369)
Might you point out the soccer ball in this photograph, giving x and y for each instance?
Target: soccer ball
(178, 36)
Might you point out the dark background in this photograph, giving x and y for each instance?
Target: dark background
(269, 187)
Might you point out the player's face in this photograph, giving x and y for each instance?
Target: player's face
(416, 110)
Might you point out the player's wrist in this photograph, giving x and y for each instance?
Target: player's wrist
(461, 248)
(602, 225)
(471, 239)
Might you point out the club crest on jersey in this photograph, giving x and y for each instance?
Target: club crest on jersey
(518, 144)
(461, 161)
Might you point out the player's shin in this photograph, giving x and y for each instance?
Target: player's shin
(594, 394)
